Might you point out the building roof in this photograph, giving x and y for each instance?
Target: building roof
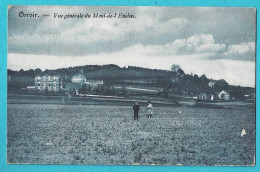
(224, 91)
(202, 93)
(48, 73)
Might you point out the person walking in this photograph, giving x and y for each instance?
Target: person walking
(150, 109)
(136, 110)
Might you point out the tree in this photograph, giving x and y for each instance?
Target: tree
(203, 77)
(204, 80)
(181, 72)
(175, 68)
(83, 89)
(222, 84)
(196, 78)
(31, 73)
(38, 71)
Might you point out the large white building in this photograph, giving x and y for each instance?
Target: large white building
(52, 82)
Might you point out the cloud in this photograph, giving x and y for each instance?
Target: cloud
(244, 51)
(89, 36)
(152, 26)
(200, 43)
(203, 45)
(201, 40)
(196, 44)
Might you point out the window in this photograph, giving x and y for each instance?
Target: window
(39, 85)
(49, 85)
(49, 77)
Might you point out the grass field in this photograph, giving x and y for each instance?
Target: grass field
(96, 134)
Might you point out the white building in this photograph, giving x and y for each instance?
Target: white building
(52, 82)
(94, 83)
(79, 78)
(212, 84)
(224, 95)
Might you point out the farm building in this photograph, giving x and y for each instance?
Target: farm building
(203, 96)
(94, 83)
(50, 81)
(212, 84)
(79, 78)
(224, 95)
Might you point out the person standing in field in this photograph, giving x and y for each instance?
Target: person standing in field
(149, 109)
(136, 110)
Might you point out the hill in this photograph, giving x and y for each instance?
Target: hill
(171, 82)
(128, 73)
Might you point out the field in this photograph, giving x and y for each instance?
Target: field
(97, 134)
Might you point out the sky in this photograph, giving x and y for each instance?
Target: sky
(218, 42)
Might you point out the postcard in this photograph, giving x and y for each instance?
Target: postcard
(121, 85)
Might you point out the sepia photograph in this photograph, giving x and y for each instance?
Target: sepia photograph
(131, 85)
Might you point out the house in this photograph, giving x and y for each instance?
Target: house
(79, 78)
(94, 83)
(224, 95)
(203, 96)
(212, 84)
(249, 95)
(49, 81)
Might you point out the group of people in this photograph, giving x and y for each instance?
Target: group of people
(149, 109)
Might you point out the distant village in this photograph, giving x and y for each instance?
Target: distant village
(111, 80)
